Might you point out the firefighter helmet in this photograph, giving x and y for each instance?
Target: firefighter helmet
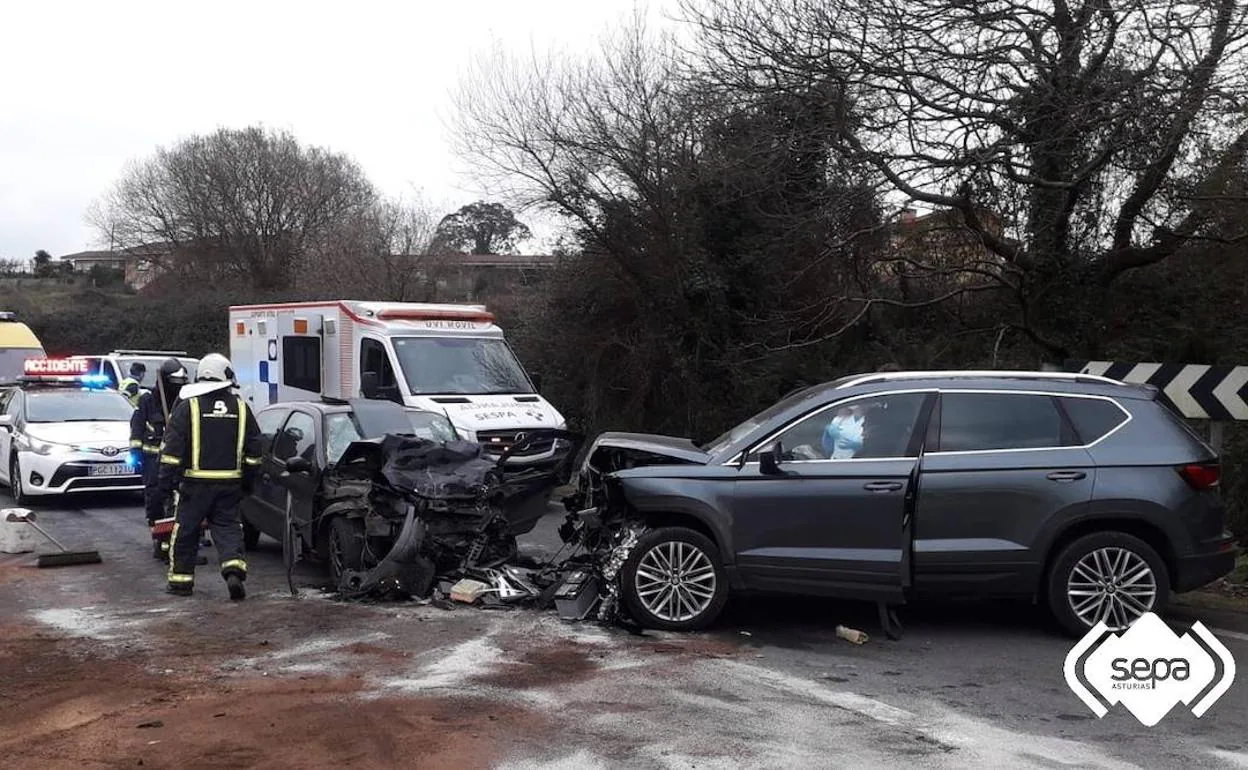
(214, 367)
(172, 371)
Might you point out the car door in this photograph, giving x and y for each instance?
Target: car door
(258, 506)
(999, 468)
(833, 526)
(297, 438)
(8, 407)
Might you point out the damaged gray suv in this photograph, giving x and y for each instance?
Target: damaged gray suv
(1079, 492)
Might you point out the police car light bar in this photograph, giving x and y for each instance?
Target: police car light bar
(56, 367)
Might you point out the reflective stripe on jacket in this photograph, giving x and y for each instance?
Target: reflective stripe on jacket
(212, 437)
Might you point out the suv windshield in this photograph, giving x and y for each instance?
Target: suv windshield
(740, 431)
(77, 406)
(13, 362)
(341, 428)
(460, 366)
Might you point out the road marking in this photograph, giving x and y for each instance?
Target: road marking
(1231, 634)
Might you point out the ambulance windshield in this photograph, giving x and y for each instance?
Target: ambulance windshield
(461, 366)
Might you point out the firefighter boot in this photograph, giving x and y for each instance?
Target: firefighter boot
(234, 582)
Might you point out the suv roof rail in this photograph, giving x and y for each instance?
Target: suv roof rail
(982, 374)
(148, 353)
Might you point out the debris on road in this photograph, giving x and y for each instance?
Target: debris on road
(852, 635)
(468, 591)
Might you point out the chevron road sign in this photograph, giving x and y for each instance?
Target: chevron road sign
(1195, 391)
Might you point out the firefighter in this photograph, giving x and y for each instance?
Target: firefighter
(147, 429)
(211, 452)
(131, 386)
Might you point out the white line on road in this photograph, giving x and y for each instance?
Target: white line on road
(1231, 634)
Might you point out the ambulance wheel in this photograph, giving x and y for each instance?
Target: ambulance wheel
(251, 536)
(16, 487)
(346, 547)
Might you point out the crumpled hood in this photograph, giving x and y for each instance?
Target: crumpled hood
(90, 434)
(478, 413)
(681, 449)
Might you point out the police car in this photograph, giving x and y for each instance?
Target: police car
(63, 430)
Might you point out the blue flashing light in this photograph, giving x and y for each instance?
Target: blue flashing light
(95, 380)
(135, 458)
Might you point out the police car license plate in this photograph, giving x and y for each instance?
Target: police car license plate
(111, 469)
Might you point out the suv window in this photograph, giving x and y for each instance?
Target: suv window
(1093, 418)
(874, 428)
(972, 422)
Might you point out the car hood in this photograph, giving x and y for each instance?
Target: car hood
(93, 434)
(681, 449)
(478, 413)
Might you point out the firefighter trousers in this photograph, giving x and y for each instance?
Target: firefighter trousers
(153, 500)
(217, 503)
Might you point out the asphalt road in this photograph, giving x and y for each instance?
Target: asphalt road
(974, 684)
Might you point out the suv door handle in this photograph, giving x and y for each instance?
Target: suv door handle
(1067, 475)
(882, 486)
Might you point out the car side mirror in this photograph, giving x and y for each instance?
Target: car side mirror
(6, 421)
(536, 379)
(298, 465)
(769, 461)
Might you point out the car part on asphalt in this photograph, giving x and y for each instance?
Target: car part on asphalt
(63, 559)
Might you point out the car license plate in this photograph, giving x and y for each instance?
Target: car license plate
(111, 469)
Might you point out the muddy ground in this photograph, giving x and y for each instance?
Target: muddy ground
(99, 668)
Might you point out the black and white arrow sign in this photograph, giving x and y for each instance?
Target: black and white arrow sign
(1193, 390)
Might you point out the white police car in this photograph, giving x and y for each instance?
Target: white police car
(63, 430)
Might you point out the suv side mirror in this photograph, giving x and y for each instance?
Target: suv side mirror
(298, 465)
(6, 421)
(536, 379)
(769, 461)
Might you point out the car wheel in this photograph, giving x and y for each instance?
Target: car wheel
(1106, 576)
(674, 580)
(346, 547)
(251, 536)
(16, 486)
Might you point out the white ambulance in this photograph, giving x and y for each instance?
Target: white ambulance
(451, 359)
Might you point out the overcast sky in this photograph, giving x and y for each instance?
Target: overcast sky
(89, 85)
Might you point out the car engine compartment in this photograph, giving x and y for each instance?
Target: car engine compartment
(433, 511)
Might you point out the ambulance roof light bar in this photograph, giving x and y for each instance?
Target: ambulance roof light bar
(436, 314)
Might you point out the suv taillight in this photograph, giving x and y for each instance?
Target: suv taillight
(1201, 477)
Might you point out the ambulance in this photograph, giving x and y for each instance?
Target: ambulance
(451, 359)
(17, 343)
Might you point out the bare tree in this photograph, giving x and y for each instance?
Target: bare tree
(714, 237)
(243, 203)
(1104, 131)
(383, 253)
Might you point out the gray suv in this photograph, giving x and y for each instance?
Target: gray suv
(1077, 491)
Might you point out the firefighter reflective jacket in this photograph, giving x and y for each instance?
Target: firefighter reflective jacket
(147, 424)
(129, 387)
(211, 437)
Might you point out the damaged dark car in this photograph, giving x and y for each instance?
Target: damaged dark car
(389, 497)
(1079, 493)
